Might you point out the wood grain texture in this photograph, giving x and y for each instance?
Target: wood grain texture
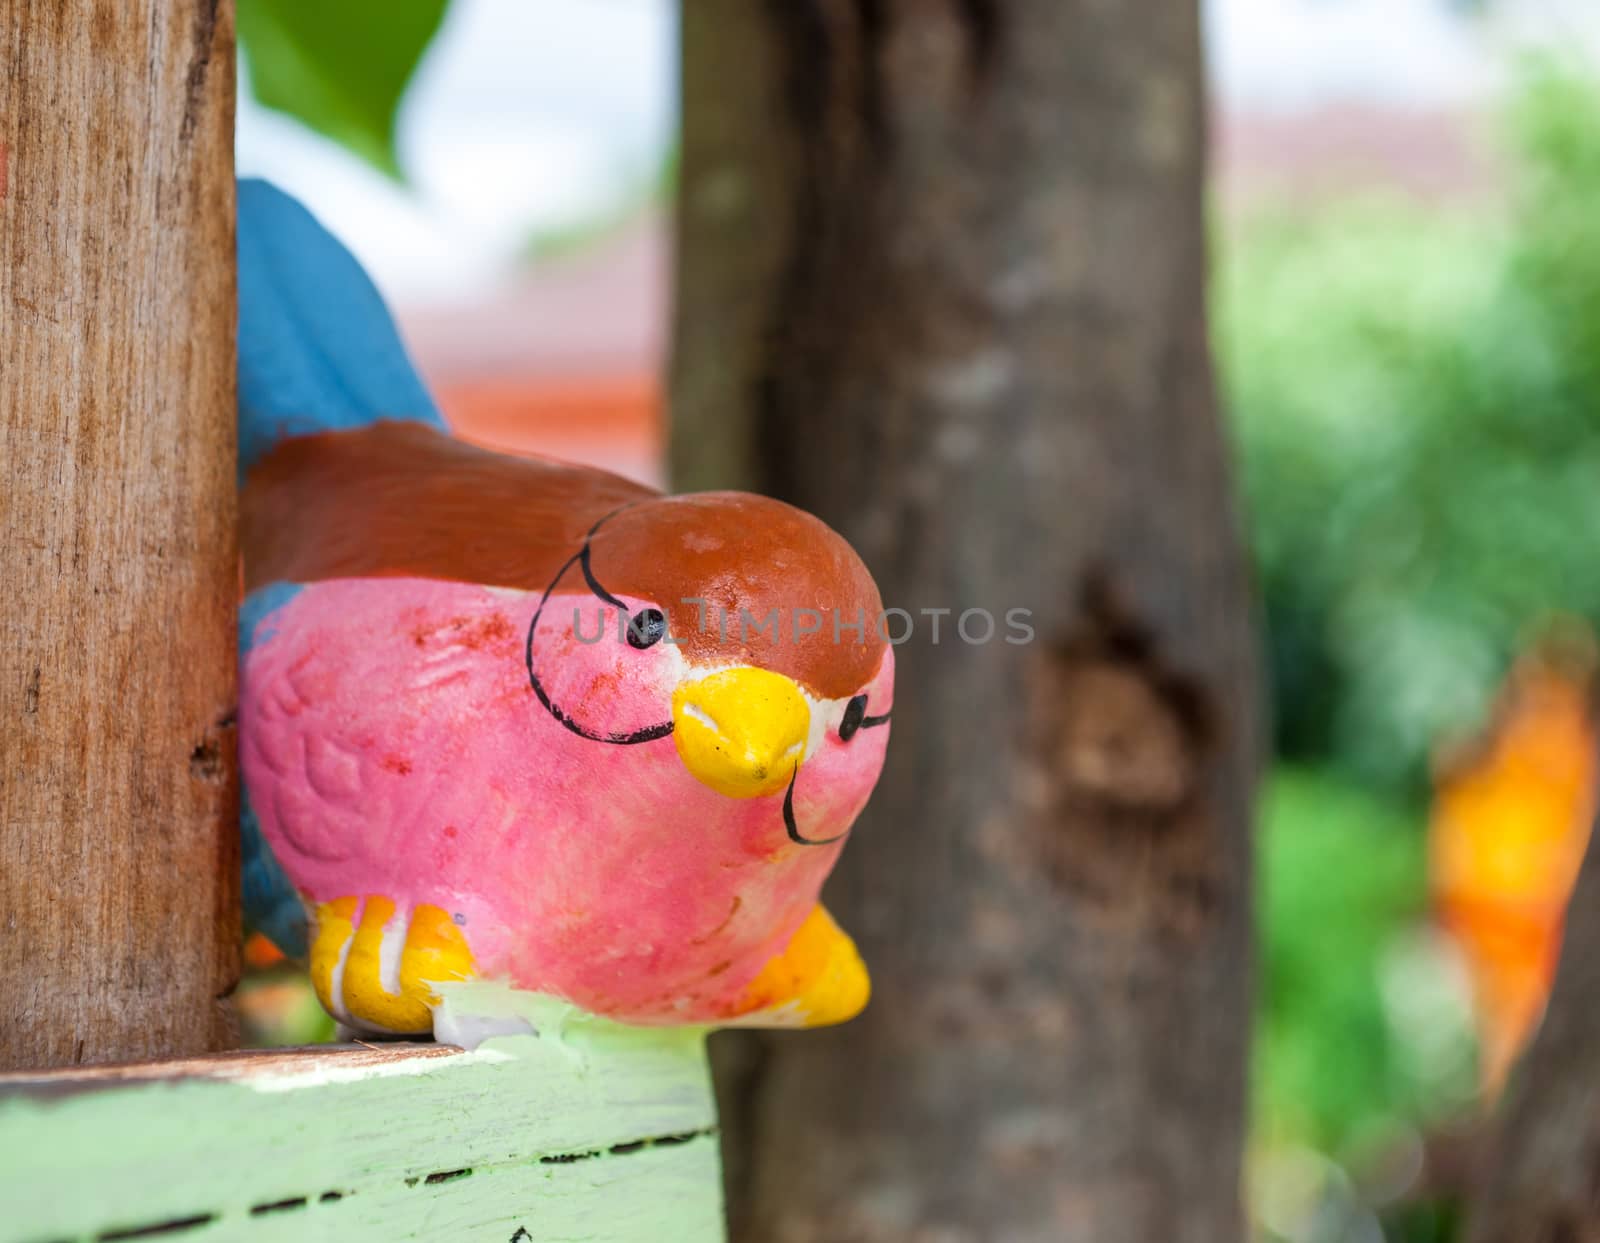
(732, 209)
(1540, 1182)
(238, 1066)
(541, 1140)
(983, 358)
(118, 908)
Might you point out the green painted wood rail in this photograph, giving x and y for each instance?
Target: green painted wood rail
(599, 1134)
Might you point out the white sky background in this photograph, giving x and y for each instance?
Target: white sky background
(1284, 55)
(526, 117)
(530, 116)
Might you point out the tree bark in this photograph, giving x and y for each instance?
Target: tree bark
(942, 281)
(118, 884)
(1541, 1183)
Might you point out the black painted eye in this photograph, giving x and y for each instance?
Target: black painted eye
(854, 712)
(646, 628)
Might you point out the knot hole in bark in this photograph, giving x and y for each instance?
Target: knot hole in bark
(1111, 778)
(1116, 726)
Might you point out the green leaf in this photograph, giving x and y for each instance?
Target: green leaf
(340, 68)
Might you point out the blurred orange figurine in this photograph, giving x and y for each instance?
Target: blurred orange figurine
(1510, 823)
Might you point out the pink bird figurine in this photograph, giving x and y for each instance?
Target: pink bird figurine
(513, 720)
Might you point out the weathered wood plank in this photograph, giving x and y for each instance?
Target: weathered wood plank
(119, 555)
(599, 1134)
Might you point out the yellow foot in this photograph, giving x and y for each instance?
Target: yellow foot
(377, 973)
(818, 979)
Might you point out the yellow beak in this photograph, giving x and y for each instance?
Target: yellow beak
(741, 731)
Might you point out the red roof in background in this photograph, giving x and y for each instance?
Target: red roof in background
(599, 311)
(608, 421)
(1310, 157)
(565, 361)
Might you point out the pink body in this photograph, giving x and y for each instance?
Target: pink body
(392, 745)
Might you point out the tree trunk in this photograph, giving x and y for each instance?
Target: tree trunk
(117, 787)
(942, 281)
(1542, 1180)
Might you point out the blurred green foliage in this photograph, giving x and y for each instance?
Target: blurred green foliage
(1365, 1022)
(277, 1008)
(340, 68)
(1416, 399)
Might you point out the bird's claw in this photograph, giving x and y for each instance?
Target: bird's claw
(375, 971)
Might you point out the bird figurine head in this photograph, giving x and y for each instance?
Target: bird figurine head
(508, 719)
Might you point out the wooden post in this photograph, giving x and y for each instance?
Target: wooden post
(118, 906)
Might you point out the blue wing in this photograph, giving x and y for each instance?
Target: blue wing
(318, 349)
